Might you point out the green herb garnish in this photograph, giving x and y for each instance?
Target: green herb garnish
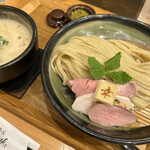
(3, 42)
(97, 70)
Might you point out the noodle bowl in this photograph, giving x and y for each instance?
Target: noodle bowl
(106, 27)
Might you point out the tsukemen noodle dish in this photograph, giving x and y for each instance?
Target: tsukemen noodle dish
(109, 77)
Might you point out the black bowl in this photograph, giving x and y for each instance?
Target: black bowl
(21, 63)
(105, 26)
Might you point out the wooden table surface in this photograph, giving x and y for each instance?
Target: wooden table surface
(33, 114)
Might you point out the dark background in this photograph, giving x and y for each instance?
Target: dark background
(128, 8)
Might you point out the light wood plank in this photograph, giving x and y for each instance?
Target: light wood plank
(46, 141)
(35, 108)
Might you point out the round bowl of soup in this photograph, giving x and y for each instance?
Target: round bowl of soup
(18, 42)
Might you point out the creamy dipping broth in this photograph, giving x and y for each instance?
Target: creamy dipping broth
(14, 39)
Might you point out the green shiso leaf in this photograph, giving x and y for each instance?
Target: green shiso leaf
(113, 63)
(120, 77)
(96, 69)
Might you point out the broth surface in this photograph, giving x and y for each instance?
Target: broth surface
(14, 39)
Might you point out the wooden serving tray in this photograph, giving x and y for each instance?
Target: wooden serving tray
(45, 140)
(33, 114)
(26, 5)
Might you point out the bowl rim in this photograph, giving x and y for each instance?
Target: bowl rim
(52, 96)
(33, 39)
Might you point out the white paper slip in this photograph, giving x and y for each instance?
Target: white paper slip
(13, 139)
(144, 15)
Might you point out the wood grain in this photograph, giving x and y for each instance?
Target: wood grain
(35, 109)
(45, 140)
(30, 6)
(16, 3)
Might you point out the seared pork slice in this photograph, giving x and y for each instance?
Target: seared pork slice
(109, 115)
(83, 103)
(127, 90)
(82, 86)
(85, 86)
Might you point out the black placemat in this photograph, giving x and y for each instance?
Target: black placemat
(28, 148)
(18, 86)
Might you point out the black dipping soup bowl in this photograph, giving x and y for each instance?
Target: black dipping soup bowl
(20, 64)
(107, 27)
